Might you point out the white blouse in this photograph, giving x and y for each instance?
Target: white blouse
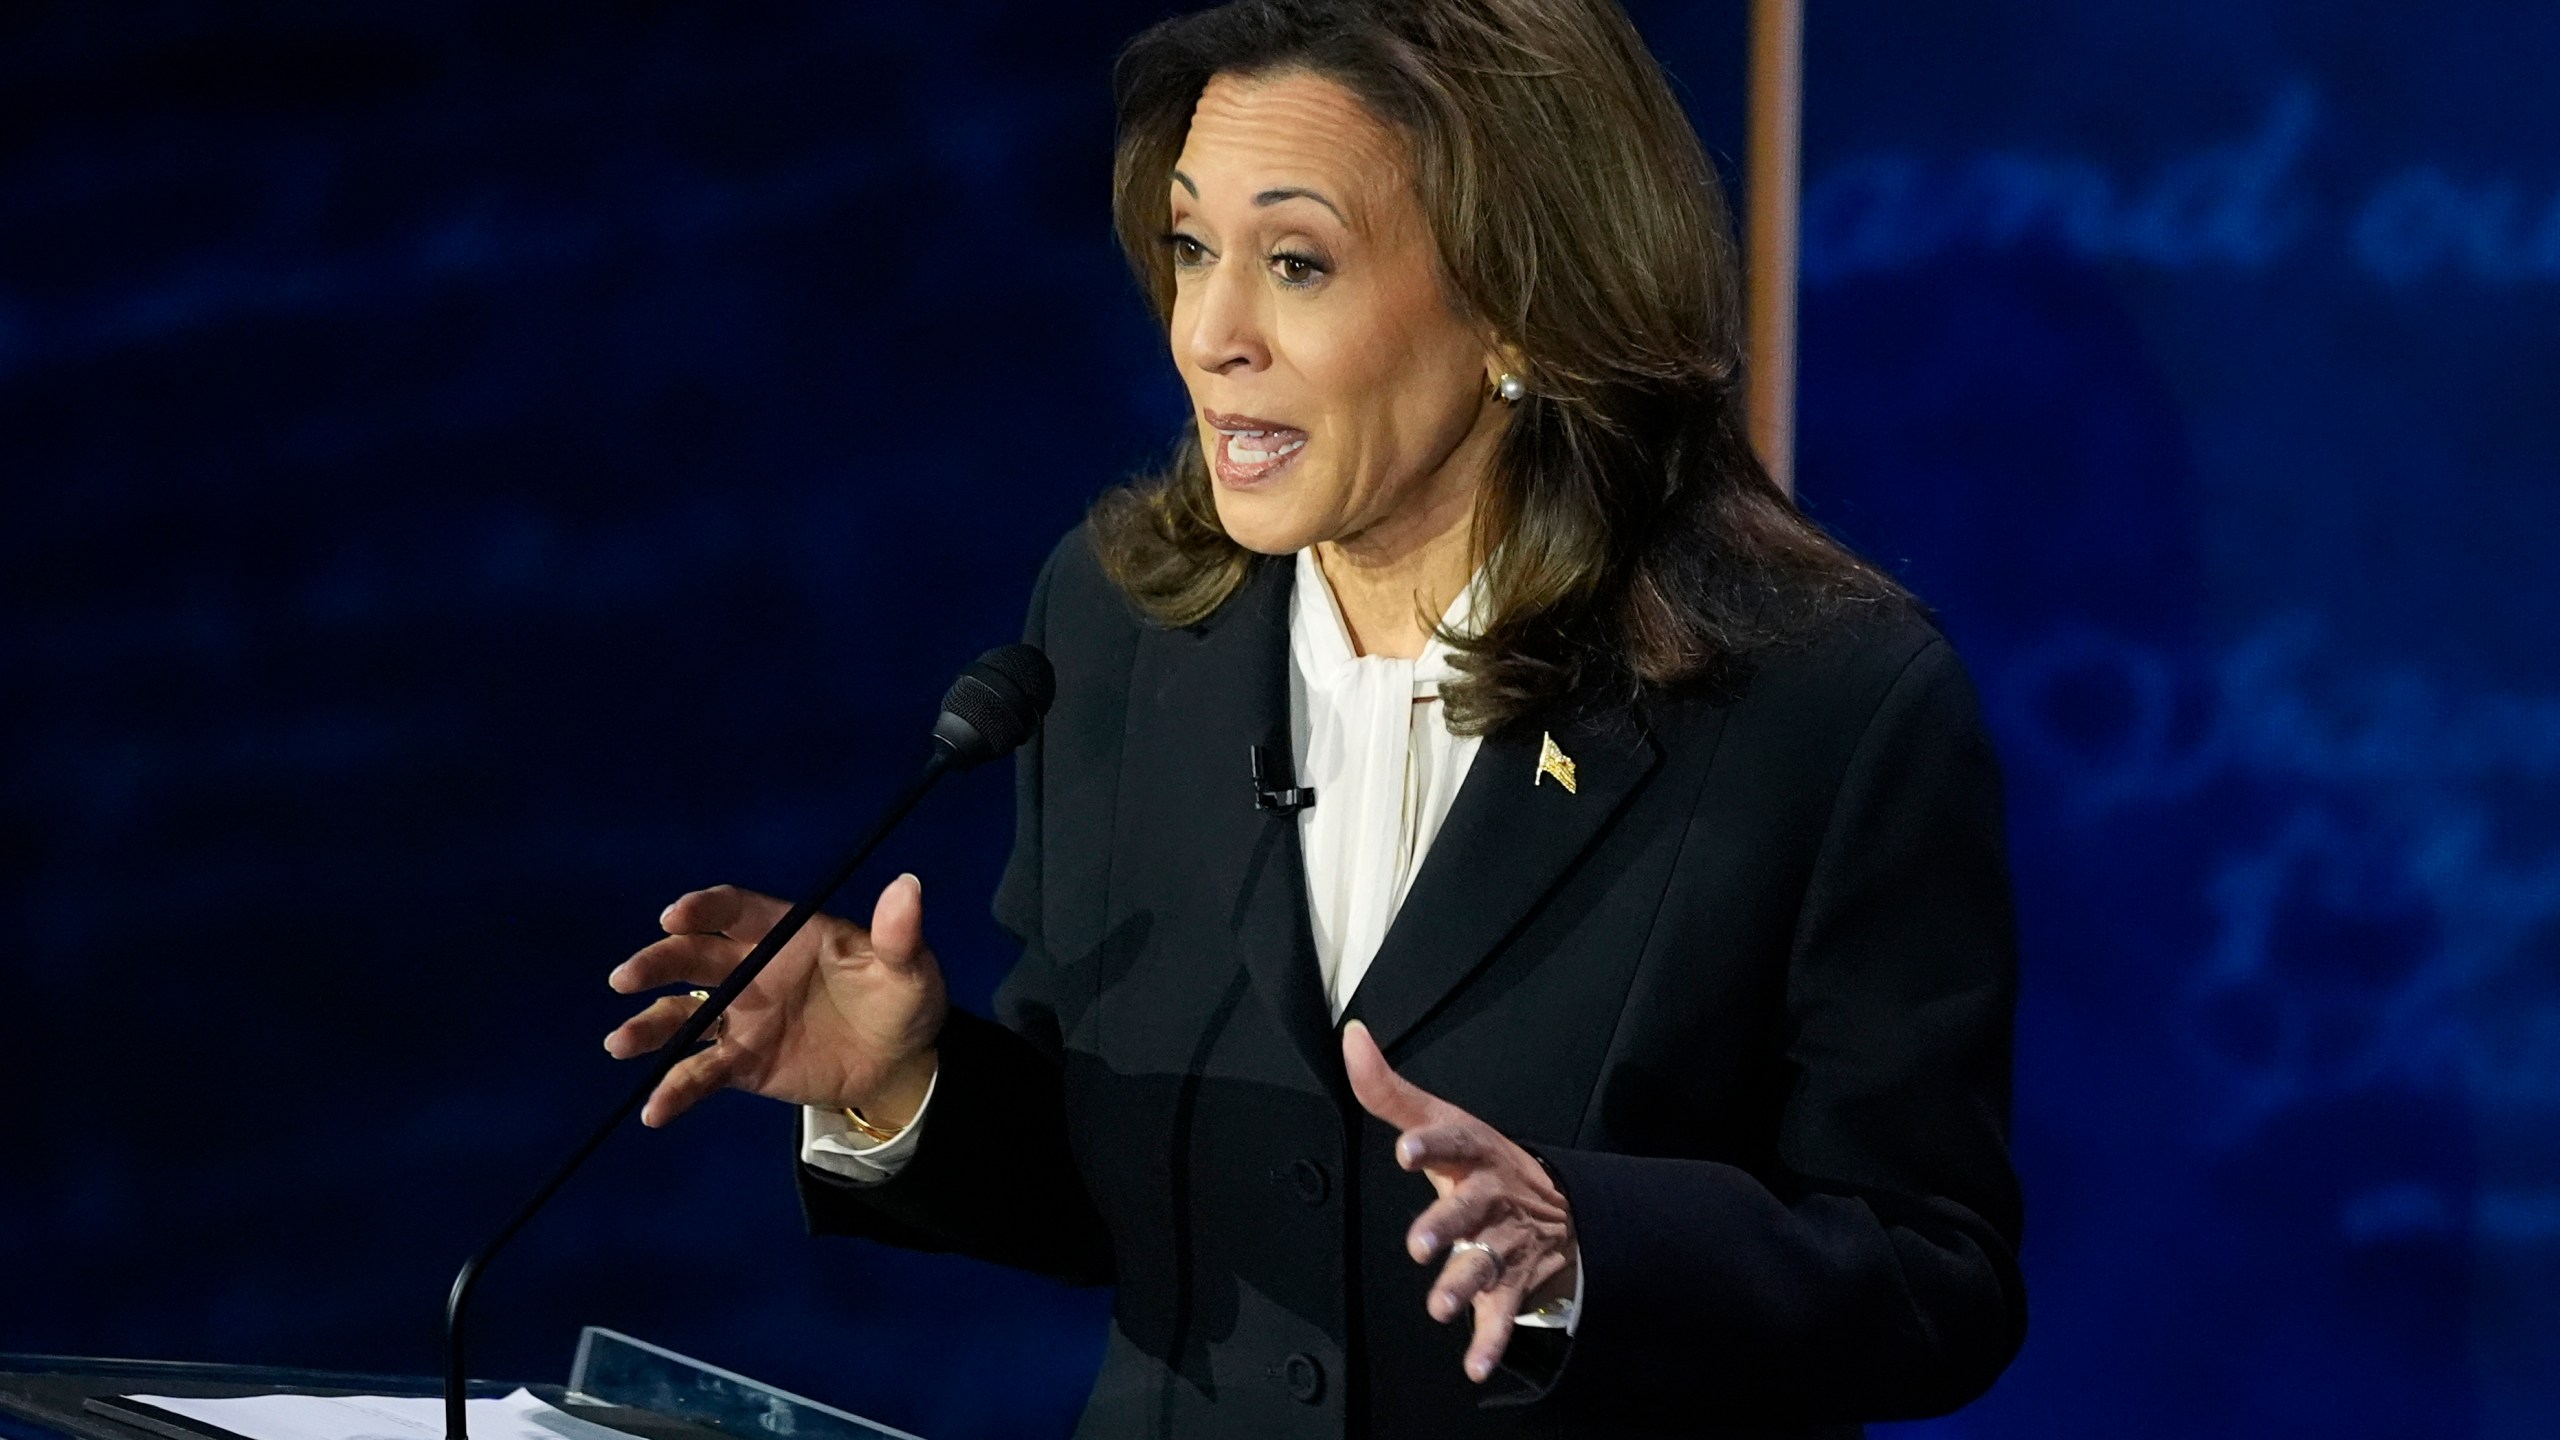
(1372, 742)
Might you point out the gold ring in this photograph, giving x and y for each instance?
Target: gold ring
(1487, 1252)
(719, 1023)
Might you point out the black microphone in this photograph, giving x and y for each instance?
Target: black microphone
(993, 707)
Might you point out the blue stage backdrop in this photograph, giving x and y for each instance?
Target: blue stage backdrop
(475, 472)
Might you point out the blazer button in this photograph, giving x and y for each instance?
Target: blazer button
(1312, 1182)
(1305, 1377)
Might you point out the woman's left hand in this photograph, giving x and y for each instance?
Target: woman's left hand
(1491, 1191)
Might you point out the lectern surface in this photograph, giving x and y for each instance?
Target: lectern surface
(43, 1397)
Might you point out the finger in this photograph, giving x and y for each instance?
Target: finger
(1496, 1313)
(692, 1080)
(679, 960)
(650, 1028)
(723, 910)
(1380, 1090)
(1463, 1211)
(897, 924)
(1450, 1145)
(1467, 1274)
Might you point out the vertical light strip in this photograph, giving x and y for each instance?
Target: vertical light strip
(1772, 179)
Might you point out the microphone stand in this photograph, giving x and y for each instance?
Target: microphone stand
(677, 1047)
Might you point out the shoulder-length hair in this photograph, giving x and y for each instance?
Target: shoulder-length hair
(1630, 537)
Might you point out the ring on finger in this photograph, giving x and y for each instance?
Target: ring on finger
(1487, 1251)
(719, 1022)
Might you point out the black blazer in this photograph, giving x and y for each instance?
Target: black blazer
(1748, 994)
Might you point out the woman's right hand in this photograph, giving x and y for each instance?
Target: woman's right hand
(843, 1016)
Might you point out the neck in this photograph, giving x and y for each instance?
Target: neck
(1394, 580)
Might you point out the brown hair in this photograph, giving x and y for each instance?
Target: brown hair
(1630, 536)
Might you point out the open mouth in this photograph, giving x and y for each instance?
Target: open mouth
(1251, 450)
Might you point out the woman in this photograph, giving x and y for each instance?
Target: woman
(1618, 1042)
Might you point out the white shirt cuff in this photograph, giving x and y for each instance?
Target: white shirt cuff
(829, 1142)
(1564, 1315)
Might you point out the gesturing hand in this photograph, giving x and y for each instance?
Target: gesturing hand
(843, 1015)
(1491, 1192)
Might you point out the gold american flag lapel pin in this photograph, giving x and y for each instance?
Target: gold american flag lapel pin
(1553, 761)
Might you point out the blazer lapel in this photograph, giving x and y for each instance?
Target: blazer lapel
(1513, 832)
(1203, 698)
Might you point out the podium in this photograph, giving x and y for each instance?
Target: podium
(642, 1390)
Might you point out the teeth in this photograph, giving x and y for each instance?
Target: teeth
(1254, 454)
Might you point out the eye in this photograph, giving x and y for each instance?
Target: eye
(1297, 269)
(1188, 253)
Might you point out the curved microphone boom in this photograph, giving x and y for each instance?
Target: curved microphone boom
(995, 705)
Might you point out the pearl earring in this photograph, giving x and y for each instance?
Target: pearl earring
(1511, 388)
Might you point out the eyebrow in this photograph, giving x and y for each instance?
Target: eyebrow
(1272, 197)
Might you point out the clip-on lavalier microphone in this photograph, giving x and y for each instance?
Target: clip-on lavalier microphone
(1276, 794)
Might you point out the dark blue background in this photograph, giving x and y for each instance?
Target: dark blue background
(475, 472)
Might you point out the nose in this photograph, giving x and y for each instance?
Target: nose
(1224, 330)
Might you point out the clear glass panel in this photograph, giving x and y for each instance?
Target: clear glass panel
(615, 1369)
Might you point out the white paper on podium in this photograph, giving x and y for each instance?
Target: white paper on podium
(381, 1417)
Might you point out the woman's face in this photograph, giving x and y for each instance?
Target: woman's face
(1339, 395)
